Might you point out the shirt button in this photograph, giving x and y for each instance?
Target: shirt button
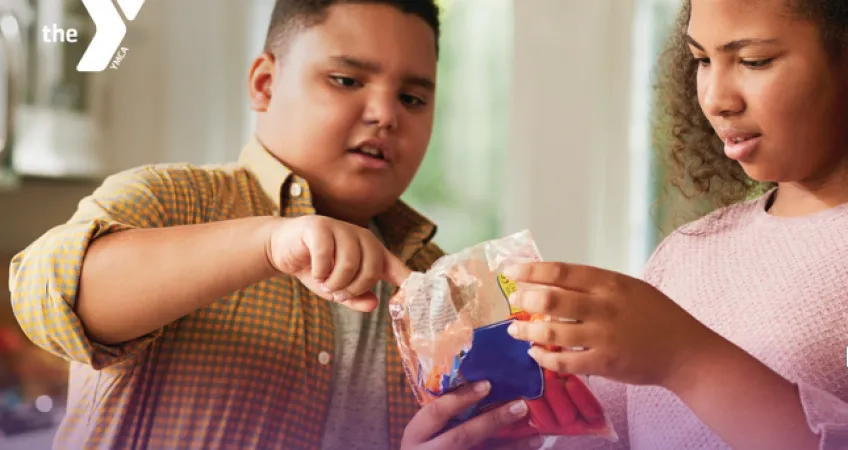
(324, 358)
(296, 190)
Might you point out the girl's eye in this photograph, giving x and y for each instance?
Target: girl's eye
(757, 63)
(345, 82)
(703, 62)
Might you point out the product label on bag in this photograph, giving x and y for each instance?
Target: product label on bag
(508, 287)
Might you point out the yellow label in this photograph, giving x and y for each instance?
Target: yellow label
(508, 287)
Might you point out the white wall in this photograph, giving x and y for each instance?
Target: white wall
(180, 94)
(206, 78)
(568, 156)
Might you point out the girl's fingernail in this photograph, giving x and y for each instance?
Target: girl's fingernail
(518, 409)
(511, 271)
(512, 329)
(482, 387)
(513, 299)
(340, 296)
(325, 288)
(533, 352)
(535, 442)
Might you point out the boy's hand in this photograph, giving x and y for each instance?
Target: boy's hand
(336, 260)
(422, 431)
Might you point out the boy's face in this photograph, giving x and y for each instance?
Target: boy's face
(349, 106)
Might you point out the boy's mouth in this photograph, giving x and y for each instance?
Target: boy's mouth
(370, 151)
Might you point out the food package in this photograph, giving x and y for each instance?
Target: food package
(450, 324)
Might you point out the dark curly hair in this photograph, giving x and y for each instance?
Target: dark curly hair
(289, 16)
(691, 153)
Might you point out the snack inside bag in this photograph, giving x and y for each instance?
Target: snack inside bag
(450, 324)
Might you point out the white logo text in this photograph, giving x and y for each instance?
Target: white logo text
(109, 33)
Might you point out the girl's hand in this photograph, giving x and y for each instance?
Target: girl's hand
(423, 431)
(628, 330)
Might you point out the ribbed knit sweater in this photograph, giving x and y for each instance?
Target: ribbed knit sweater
(776, 287)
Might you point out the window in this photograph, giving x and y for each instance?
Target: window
(653, 21)
(458, 183)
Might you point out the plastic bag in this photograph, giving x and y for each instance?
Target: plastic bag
(450, 324)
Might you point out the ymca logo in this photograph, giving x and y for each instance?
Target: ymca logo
(109, 33)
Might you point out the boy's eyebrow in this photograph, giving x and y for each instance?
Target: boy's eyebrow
(373, 67)
(731, 46)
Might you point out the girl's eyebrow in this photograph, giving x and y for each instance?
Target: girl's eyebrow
(731, 46)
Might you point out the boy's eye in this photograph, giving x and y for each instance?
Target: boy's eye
(757, 63)
(345, 82)
(412, 101)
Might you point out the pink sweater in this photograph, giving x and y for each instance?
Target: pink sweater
(776, 287)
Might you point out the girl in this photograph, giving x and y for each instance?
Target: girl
(737, 336)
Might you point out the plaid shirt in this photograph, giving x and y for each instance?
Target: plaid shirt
(250, 371)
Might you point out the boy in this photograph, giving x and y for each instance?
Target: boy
(193, 302)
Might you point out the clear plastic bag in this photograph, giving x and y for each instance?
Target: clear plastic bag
(450, 324)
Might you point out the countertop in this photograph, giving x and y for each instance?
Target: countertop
(30, 206)
(39, 440)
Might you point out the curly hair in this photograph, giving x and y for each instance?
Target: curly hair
(691, 153)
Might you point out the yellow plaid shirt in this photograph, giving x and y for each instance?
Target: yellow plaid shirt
(250, 371)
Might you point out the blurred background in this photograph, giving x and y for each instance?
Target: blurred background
(543, 123)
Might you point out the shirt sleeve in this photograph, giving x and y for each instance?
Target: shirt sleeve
(827, 416)
(44, 277)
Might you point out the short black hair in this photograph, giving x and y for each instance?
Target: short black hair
(290, 16)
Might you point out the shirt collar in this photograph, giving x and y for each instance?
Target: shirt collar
(269, 172)
(403, 229)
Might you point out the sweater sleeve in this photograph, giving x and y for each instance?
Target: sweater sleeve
(827, 416)
(659, 260)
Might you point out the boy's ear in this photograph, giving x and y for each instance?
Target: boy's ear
(261, 80)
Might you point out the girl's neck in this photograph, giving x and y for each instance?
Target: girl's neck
(795, 199)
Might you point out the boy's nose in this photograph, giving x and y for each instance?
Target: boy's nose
(381, 112)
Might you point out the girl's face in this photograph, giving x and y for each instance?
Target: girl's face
(770, 89)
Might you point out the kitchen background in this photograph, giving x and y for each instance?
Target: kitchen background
(542, 123)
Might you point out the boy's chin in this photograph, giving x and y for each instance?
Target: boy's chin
(357, 204)
(376, 189)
